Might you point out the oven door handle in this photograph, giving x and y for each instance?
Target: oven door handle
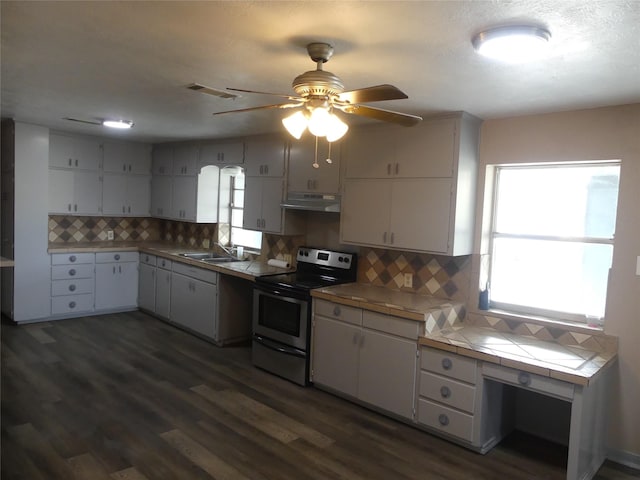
(270, 344)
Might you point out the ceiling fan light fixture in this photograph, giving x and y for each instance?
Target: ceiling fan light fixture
(319, 122)
(120, 124)
(512, 43)
(296, 124)
(336, 128)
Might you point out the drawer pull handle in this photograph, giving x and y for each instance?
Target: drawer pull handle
(116, 256)
(72, 288)
(72, 304)
(72, 272)
(524, 378)
(72, 258)
(445, 392)
(447, 363)
(336, 311)
(443, 419)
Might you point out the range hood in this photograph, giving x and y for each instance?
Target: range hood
(317, 202)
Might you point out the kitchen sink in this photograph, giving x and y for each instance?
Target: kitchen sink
(197, 256)
(220, 259)
(209, 257)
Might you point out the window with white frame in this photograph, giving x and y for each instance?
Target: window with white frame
(552, 239)
(232, 208)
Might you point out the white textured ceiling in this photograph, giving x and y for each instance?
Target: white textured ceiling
(92, 60)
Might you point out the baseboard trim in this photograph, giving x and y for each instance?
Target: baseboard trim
(628, 459)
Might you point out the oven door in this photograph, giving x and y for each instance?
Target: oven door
(281, 317)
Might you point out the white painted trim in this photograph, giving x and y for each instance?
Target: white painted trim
(628, 459)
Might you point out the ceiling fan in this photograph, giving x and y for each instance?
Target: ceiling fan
(320, 93)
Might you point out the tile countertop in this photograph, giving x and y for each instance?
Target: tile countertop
(570, 363)
(6, 262)
(248, 270)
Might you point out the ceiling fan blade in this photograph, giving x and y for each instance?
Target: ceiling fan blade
(90, 122)
(262, 107)
(377, 93)
(265, 93)
(403, 119)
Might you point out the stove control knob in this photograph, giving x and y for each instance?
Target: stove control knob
(340, 259)
(346, 259)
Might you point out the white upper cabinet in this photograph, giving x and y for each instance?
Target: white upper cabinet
(226, 153)
(412, 188)
(74, 192)
(264, 157)
(161, 188)
(162, 160)
(303, 177)
(133, 158)
(74, 152)
(126, 195)
(426, 150)
(185, 159)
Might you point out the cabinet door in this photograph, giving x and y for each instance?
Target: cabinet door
(60, 191)
(427, 150)
(183, 198)
(116, 285)
(365, 212)
(161, 193)
(163, 293)
(335, 355)
(138, 195)
(205, 302)
(147, 287)
(387, 372)
(114, 194)
(185, 159)
(87, 192)
(61, 151)
(252, 214)
(271, 200)
(132, 158)
(370, 152)
(222, 153)
(265, 158)
(73, 152)
(420, 214)
(88, 154)
(302, 177)
(181, 299)
(162, 160)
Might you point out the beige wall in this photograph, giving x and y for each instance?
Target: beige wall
(604, 133)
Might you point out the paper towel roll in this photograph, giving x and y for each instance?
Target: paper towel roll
(278, 263)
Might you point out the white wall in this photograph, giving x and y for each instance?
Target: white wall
(32, 285)
(604, 133)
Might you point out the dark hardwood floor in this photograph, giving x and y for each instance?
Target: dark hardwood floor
(127, 396)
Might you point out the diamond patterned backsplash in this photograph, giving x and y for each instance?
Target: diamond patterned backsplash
(440, 276)
(67, 229)
(277, 246)
(196, 235)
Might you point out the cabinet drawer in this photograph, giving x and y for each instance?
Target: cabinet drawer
(390, 324)
(72, 303)
(164, 263)
(148, 259)
(111, 257)
(66, 272)
(71, 287)
(445, 419)
(71, 258)
(447, 391)
(339, 312)
(208, 276)
(530, 381)
(449, 364)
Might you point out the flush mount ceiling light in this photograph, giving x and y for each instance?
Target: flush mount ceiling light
(512, 43)
(121, 124)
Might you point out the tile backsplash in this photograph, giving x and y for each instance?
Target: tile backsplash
(67, 229)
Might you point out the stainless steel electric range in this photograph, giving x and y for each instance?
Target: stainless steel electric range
(282, 310)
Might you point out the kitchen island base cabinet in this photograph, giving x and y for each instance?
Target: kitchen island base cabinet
(194, 296)
(365, 356)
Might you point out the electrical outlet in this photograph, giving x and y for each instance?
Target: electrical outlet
(408, 280)
(287, 258)
(109, 234)
(206, 243)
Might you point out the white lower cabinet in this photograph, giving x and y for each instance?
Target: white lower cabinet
(72, 283)
(365, 355)
(116, 280)
(147, 283)
(163, 288)
(194, 298)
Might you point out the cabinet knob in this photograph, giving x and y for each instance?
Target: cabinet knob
(72, 272)
(447, 363)
(524, 378)
(445, 391)
(72, 304)
(117, 256)
(72, 288)
(72, 258)
(336, 311)
(443, 420)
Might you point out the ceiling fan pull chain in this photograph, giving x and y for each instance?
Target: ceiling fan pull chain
(315, 158)
(329, 154)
